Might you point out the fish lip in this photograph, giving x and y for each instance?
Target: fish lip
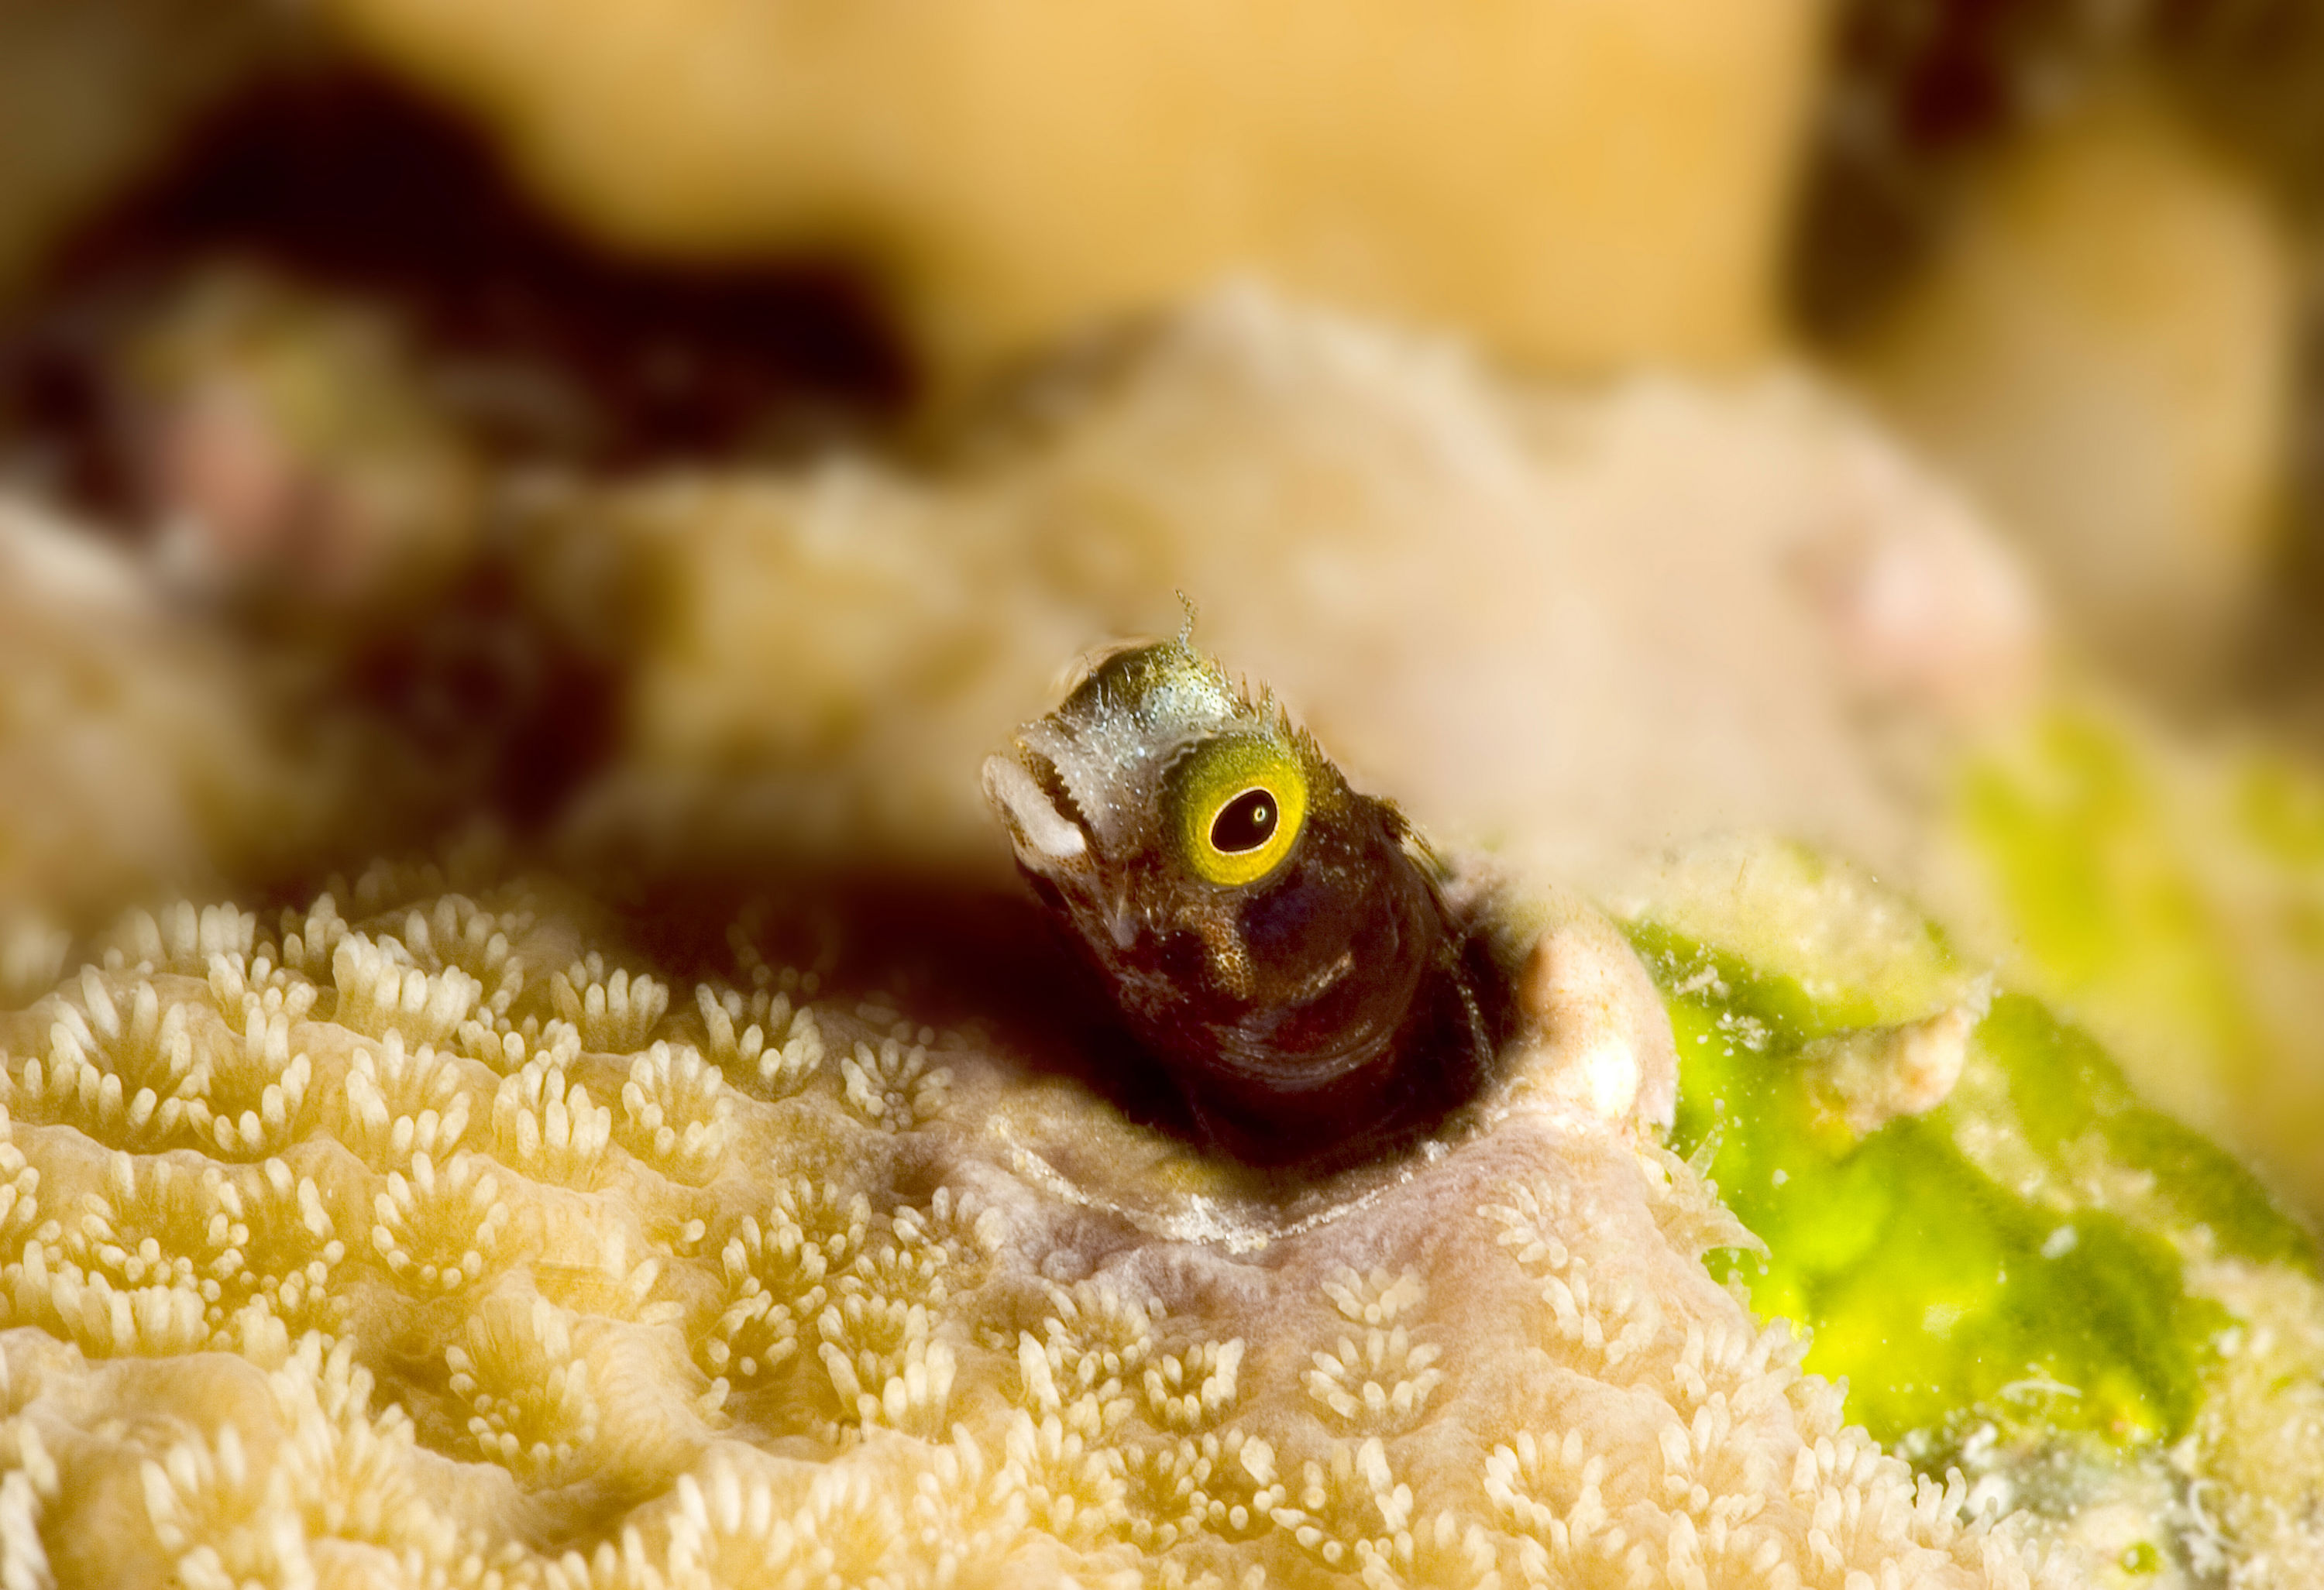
(1047, 831)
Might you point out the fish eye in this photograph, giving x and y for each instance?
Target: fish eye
(1240, 802)
(1245, 823)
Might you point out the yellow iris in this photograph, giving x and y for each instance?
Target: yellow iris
(1239, 802)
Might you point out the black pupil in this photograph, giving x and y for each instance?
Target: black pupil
(1244, 822)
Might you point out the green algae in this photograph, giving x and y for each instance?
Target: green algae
(2104, 886)
(2012, 1258)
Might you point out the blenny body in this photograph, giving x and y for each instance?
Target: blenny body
(1283, 944)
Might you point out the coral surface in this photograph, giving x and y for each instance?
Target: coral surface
(2019, 1266)
(1572, 625)
(1054, 167)
(133, 754)
(529, 1269)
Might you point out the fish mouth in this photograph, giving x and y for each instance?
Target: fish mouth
(1044, 824)
(1054, 839)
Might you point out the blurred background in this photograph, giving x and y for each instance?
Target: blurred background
(681, 437)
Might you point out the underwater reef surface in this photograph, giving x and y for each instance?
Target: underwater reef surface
(1057, 168)
(411, 1237)
(1573, 626)
(414, 1241)
(2019, 1266)
(504, 1254)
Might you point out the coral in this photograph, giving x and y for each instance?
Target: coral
(312, 938)
(226, 1523)
(1096, 1341)
(775, 1276)
(129, 1077)
(1193, 1389)
(1069, 1485)
(181, 939)
(552, 1045)
(256, 1098)
(20, 1203)
(549, 1128)
(2064, 1195)
(674, 1112)
(27, 1485)
(1058, 171)
(292, 1252)
(247, 988)
(1218, 1485)
(457, 933)
(527, 1393)
(850, 1324)
(600, 1279)
(438, 1233)
(777, 1045)
(134, 746)
(613, 1012)
(143, 1267)
(401, 1102)
(2169, 900)
(381, 991)
(885, 1365)
(892, 1087)
(1380, 1382)
(1487, 541)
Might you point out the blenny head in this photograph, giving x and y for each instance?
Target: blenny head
(1278, 941)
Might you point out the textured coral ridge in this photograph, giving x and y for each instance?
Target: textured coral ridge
(405, 1240)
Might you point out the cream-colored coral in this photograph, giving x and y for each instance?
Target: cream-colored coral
(1414, 550)
(676, 1110)
(400, 1102)
(20, 1203)
(1013, 1340)
(1610, 1322)
(142, 1267)
(438, 1232)
(885, 1365)
(381, 992)
(122, 1066)
(612, 1011)
(291, 1252)
(248, 988)
(256, 1098)
(780, 1046)
(1220, 1485)
(1581, 186)
(776, 1276)
(1193, 1390)
(134, 747)
(311, 938)
(459, 932)
(28, 1483)
(893, 1087)
(549, 1127)
(228, 1522)
(1071, 1485)
(527, 1393)
(732, 1527)
(181, 939)
(602, 1279)
(554, 1042)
